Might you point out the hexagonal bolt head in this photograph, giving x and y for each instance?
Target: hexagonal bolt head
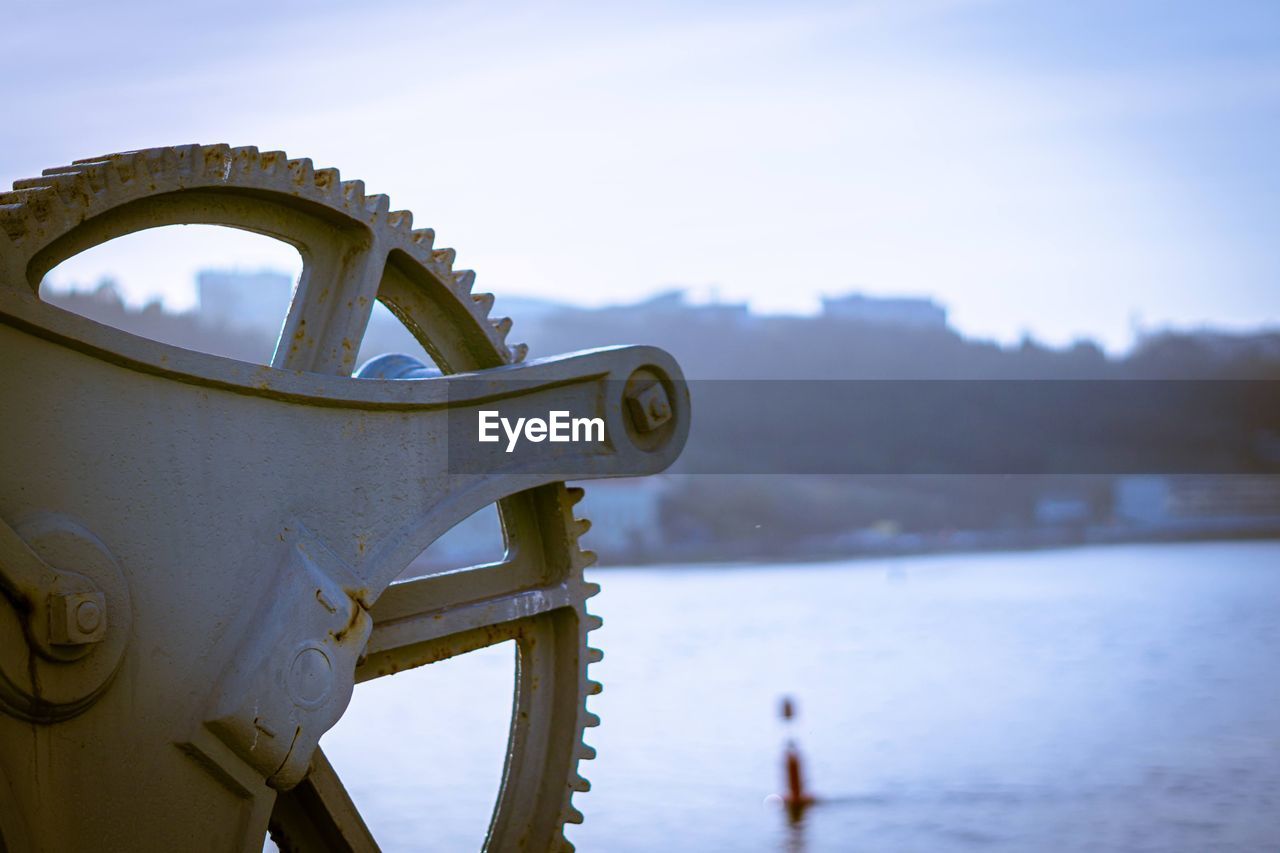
(649, 408)
(77, 618)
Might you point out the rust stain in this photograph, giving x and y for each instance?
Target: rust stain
(360, 595)
(352, 620)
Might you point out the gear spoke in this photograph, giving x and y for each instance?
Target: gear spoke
(331, 307)
(432, 618)
(318, 815)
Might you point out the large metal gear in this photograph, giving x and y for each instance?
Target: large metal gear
(197, 501)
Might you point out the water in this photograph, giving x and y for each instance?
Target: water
(1102, 699)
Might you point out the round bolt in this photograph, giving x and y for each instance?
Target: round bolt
(88, 616)
(310, 676)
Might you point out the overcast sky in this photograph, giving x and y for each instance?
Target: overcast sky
(1058, 168)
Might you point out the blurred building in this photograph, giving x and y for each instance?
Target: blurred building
(625, 526)
(906, 311)
(244, 300)
(1056, 510)
(625, 518)
(1198, 502)
(675, 303)
(476, 540)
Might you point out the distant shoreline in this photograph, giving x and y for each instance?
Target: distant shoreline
(706, 559)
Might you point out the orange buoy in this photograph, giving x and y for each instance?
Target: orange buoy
(797, 799)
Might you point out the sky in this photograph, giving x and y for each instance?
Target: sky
(1063, 170)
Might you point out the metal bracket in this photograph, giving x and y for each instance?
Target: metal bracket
(291, 679)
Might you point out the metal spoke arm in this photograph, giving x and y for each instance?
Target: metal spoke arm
(464, 474)
(318, 814)
(411, 445)
(413, 626)
(331, 306)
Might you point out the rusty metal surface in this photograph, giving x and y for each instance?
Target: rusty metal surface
(197, 555)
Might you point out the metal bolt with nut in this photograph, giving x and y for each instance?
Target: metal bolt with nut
(649, 408)
(77, 618)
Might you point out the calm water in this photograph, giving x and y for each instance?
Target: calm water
(1106, 699)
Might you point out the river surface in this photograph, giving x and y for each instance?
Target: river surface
(1098, 699)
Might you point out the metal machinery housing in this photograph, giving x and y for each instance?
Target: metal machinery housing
(198, 556)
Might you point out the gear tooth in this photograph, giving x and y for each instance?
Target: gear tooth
(590, 720)
(150, 162)
(576, 494)
(519, 352)
(581, 526)
(71, 187)
(163, 161)
(327, 179)
(594, 655)
(444, 256)
(126, 167)
(150, 165)
(424, 237)
(272, 162)
(12, 222)
(378, 204)
(572, 815)
(302, 171)
(242, 160)
(36, 203)
(594, 688)
(464, 280)
(580, 783)
(96, 177)
(586, 753)
(184, 157)
(46, 179)
(152, 154)
(115, 156)
(43, 181)
(502, 326)
(401, 220)
(589, 558)
(565, 846)
(93, 174)
(243, 154)
(353, 191)
(484, 301)
(593, 622)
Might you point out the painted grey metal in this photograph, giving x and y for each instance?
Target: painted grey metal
(198, 557)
